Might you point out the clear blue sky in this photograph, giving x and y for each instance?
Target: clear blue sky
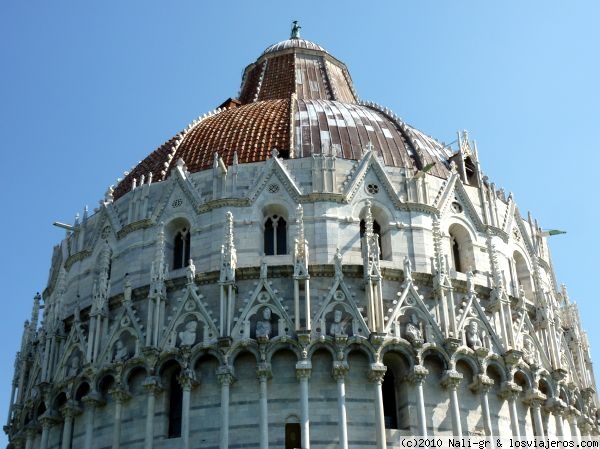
(88, 89)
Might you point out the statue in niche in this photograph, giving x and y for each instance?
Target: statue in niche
(412, 331)
(472, 334)
(73, 366)
(529, 351)
(263, 327)
(121, 351)
(187, 337)
(338, 326)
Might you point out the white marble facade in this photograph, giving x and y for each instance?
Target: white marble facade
(447, 321)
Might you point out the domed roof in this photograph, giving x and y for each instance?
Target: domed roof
(301, 102)
(293, 43)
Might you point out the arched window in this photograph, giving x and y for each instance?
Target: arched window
(275, 235)
(175, 405)
(523, 275)
(461, 249)
(395, 393)
(376, 230)
(455, 254)
(390, 407)
(181, 248)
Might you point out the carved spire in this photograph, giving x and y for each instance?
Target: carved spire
(228, 252)
(370, 245)
(158, 270)
(300, 246)
(35, 315)
(440, 265)
(495, 266)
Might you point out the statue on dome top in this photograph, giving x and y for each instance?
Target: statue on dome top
(295, 30)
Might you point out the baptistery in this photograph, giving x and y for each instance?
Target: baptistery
(299, 268)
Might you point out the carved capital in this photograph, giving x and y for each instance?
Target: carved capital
(556, 406)
(417, 375)
(377, 372)
(92, 399)
(225, 375)
(48, 419)
(534, 398)
(482, 384)
(152, 385)
(187, 379)
(376, 338)
(451, 344)
(512, 357)
(339, 371)
(120, 395)
(263, 371)
(70, 409)
(303, 369)
(509, 390)
(451, 379)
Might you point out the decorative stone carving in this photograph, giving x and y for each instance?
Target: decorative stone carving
(121, 351)
(339, 323)
(187, 337)
(263, 326)
(412, 331)
(472, 337)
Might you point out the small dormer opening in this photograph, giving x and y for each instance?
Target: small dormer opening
(470, 171)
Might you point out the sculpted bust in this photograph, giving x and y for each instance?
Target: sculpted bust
(338, 327)
(187, 337)
(121, 351)
(263, 327)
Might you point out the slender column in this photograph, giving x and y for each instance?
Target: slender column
(225, 377)
(263, 373)
(483, 385)
(187, 380)
(307, 303)
(91, 333)
(303, 370)
(297, 304)
(47, 420)
(573, 417)
(69, 411)
(91, 401)
(535, 400)
(417, 377)
(153, 388)
(509, 392)
(376, 374)
(557, 408)
(339, 373)
(450, 381)
(120, 396)
(30, 434)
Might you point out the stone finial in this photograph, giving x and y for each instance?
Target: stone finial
(407, 269)
(263, 268)
(108, 196)
(274, 153)
(127, 289)
(191, 272)
(470, 283)
(337, 261)
(35, 314)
